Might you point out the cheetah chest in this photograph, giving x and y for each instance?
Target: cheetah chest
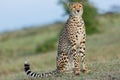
(80, 34)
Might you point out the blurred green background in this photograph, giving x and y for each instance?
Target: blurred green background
(38, 44)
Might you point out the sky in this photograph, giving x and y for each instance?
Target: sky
(17, 14)
(105, 5)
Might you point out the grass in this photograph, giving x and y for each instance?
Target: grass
(102, 53)
(26, 41)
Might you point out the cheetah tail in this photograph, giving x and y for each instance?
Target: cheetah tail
(37, 75)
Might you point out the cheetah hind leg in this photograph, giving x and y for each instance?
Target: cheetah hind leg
(62, 61)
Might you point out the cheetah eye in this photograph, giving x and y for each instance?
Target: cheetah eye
(73, 6)
(80, 6)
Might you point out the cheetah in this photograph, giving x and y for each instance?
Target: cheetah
(71, 46)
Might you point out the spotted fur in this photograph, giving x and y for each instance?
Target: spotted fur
(71, 45)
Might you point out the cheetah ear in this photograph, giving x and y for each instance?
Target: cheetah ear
(70, 3)
(81, 3)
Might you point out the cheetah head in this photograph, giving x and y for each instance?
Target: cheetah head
(76, 9)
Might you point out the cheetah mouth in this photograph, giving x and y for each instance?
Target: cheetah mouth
(77, 12)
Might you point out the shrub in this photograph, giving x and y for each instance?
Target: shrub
(48, 45)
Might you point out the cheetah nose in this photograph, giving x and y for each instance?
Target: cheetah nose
(78, 10)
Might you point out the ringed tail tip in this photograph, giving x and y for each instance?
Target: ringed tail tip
(26, 62)
(26, 66)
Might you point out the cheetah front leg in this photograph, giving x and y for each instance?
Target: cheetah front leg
(82, 54)
(76, 60)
